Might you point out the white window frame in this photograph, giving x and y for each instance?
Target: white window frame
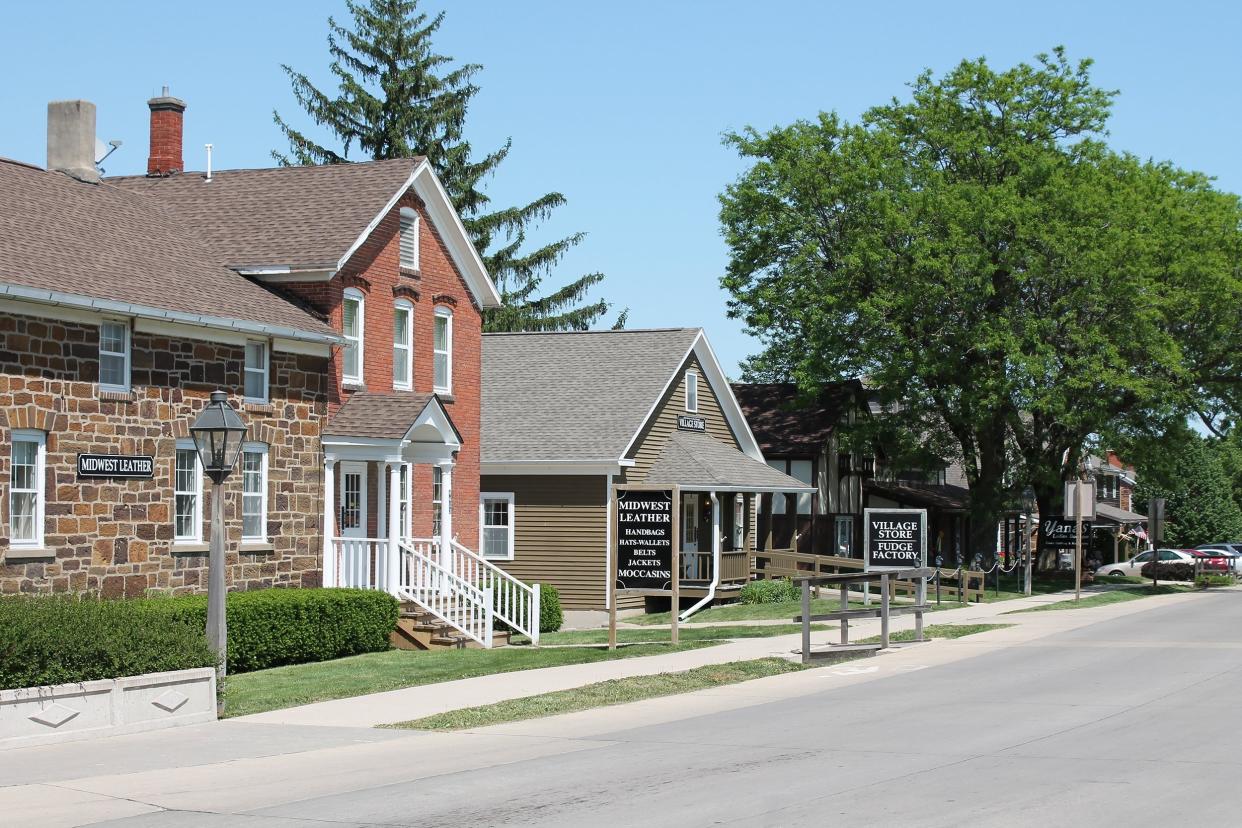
(264, 370)
(437, 499)
(405, 509)
(447, 315)
(739, 522)
(24, 435)
(409, 225)
(407, 307)
(128, 340)
(484, 498)
(187, 444)
(260, 449)
(358, 341)
(692, 391)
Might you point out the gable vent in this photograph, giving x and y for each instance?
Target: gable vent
(409, 238)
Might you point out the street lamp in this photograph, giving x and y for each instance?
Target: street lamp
(218, 432)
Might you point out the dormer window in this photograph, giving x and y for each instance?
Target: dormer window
(409, 239)
(352, 324)
(692, 391)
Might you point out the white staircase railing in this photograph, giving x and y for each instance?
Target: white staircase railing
(361, 563)
(517, 603)
(439, 591)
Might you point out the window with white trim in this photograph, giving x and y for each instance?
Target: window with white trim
(114, 356)
(404, 521)
(692, 391)
(29, 454)
(254, 491)
(402, 345)
(187, 494)
(437, 499)
(739, 521)
(353, 309)
(254, 375)
(496, 522)
(409, 238)
(442, 351)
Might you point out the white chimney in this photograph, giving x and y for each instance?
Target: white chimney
(71, 139)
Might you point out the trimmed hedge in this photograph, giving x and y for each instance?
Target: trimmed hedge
(775, 591)
(271, 627)
(65, 639)
(1168, 571)
(550, 616)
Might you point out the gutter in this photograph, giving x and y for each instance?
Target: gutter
(73, 300)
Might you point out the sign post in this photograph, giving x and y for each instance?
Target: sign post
(644, 558)
(1082, 496)
(897, 539)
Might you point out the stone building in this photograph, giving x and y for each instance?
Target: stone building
(340, 307)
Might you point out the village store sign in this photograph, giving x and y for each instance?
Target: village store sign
(894, 538)
(133, 467)
(644, 554)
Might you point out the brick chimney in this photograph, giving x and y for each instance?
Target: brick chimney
(166, 121)
(71, 139)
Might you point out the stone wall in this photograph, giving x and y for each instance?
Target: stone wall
(115, 537)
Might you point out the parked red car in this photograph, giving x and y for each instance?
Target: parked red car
(1210, 559)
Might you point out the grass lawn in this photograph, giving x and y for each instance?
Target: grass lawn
(785, 610)
(296, 684)
(939, 631)
(603, 694)
(1115, 596)
(631, 636)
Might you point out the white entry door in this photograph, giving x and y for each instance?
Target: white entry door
(690, 523)
(352, 511)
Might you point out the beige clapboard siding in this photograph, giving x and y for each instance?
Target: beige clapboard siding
(560, 525)
(663, 421)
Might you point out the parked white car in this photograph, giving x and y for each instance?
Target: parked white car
(1135, 564)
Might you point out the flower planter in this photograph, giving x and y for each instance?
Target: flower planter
(108, 707)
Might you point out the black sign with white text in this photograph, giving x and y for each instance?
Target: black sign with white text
(645, 540)
(1057, 532)
(691, 423)
(894, 538)
(139, 466)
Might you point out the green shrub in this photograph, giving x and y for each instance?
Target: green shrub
(1168, 571)
(775, 591)
(1205, 581)
(65, 639)
(550, 616)
(271, 627)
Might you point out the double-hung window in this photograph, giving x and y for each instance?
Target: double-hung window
(187, 495)
(442, 351)
(114, 356)
(402, 345)
(692, 391)
(409, 239)
(496, 521)
(254, 374)
(254, 492)
(26, 488)
(352, 323)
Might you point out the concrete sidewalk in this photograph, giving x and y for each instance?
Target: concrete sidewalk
(427, 700)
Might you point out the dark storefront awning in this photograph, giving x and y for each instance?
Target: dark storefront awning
(932, 496)
(700, 462)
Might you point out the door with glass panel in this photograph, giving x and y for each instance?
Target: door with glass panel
(690, 535)
(351, 514)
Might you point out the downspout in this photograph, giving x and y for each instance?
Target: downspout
(711, 588)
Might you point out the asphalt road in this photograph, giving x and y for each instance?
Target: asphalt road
(1131, 721)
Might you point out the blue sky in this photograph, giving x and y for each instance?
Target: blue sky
(621, 106)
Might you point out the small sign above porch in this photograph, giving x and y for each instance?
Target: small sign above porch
(685, 423)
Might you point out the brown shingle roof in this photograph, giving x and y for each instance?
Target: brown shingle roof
(306, 217)
(108, 243)
(786, 424)
(387, 416)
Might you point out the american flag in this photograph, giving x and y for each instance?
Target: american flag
(1138, 531)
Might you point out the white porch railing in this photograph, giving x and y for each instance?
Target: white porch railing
(517, 603)
(361, 563)
(437, 590)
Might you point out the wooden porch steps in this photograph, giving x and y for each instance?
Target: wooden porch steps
(420, 630)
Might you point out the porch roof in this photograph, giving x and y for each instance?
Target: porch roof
(1107, 513)
(699, 461)
(947, 498)
(383, 416)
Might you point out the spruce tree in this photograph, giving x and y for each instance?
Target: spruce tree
(397, 98)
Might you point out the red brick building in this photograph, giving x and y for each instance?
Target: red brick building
(340, 307)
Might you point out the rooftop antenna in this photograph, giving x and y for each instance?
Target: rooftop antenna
(102, 152)
(208, 146)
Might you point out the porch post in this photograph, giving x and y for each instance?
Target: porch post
(446, 515)
(329, 522)
(715, 538)
(394, 511)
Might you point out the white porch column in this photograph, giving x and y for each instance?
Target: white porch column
(446, 515)
(381, 511)
(329, 522)
(394, 533)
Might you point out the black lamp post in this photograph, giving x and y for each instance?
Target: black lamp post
(218, 432)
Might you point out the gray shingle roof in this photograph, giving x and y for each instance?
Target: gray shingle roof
(279, 216)
(386, 415)
(576, 395)
(699, 461)
(105, 242)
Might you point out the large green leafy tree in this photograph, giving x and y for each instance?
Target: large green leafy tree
(1199, 498)
(1009, 284)
(396, 98)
